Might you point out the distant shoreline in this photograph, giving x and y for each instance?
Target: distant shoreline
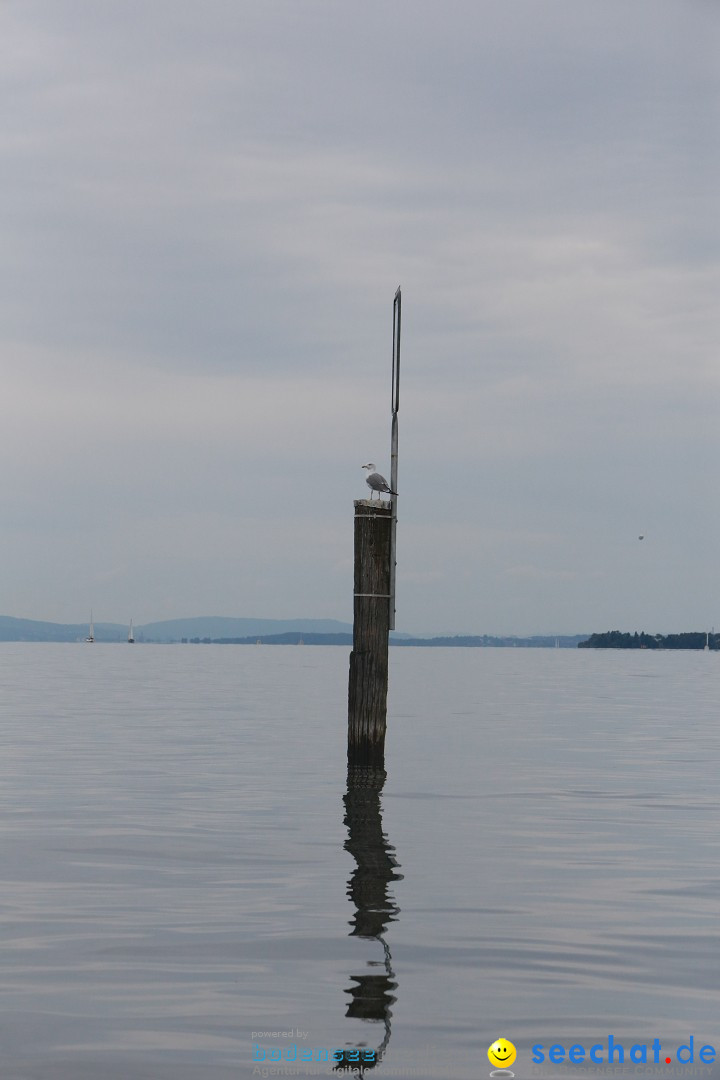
(221, 630)
(455, 642)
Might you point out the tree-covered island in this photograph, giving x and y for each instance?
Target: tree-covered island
(616, 639)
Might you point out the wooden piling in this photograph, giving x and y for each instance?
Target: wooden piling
(368, 682)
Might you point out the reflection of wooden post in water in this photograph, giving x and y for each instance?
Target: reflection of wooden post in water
(371, 996)
(367, 689)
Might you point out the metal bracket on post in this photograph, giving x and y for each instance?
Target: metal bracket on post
(395, 406)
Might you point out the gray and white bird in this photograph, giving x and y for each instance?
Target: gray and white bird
(376, 482)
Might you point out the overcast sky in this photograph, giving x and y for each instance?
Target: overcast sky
(206, 209)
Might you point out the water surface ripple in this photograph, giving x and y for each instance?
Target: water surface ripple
(185, 864)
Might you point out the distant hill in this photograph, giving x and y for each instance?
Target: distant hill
(12, 629)
(32, 630)
(215, 627)
(226, 631)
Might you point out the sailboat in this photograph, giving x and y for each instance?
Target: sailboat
(131, 635)
(91, 635)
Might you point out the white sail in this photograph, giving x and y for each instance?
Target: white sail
(91, 635)
(131, 635)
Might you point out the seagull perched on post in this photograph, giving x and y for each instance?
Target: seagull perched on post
(376, 482)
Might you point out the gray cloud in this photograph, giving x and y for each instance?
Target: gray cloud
(207, 208)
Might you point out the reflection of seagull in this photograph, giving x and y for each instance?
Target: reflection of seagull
(376, 482)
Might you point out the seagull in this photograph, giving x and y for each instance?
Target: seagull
(375, 481)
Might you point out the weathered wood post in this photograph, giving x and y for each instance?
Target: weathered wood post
(368, 683)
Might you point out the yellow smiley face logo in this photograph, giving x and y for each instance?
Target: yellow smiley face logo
(502, 1053)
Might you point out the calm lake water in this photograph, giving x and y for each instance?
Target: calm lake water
(184, 867)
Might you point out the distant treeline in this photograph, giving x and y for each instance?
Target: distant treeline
(459, 641)
(289, 638)
(488, 642)
(616, 639)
